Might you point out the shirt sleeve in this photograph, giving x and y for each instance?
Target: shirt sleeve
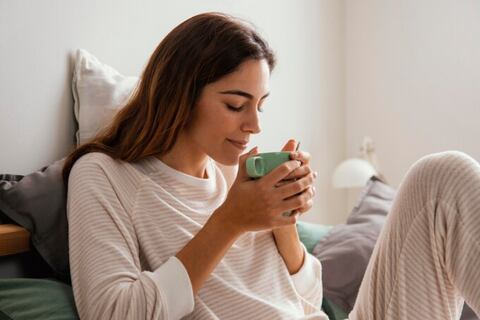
(173, 281)
(308, 283)
(107, 278)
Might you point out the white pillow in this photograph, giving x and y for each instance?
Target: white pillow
(99, 91)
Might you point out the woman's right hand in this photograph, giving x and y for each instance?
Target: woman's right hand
(253, 205)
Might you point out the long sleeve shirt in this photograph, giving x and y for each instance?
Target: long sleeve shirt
(127, 221)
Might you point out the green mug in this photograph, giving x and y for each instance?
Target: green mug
(262, 163)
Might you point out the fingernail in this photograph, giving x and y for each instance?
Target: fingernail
(314, 190)
(315, 174)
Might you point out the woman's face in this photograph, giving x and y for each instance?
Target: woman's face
(227, 112)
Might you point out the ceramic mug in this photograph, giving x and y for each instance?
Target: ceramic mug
(261, 164)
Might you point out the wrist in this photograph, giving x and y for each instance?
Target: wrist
(289, 247)
(222, 221)
(288, 231)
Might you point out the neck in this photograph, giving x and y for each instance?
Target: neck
(185, 158)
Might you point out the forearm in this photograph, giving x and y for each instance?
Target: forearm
(202, 254)
(289, 247)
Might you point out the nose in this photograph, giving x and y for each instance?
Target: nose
(252, 123)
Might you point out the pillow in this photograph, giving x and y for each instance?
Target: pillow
(36, 299)
(8, 179)
(333, 311)
(311, 233)
(37, 202)
(99, 91)
(345, 251)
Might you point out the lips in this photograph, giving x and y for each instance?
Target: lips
(239, 144)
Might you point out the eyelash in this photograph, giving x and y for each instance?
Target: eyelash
(238, 109)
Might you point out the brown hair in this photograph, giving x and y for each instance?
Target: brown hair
(199, 51)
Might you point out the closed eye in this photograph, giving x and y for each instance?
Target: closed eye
(238, 109)
(234, 109)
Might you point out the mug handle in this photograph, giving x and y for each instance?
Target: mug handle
(255, 167)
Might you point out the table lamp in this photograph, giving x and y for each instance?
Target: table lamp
(355, 172)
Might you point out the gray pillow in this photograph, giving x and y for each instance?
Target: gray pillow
(37, 202)
(8, 179)
(344, 252)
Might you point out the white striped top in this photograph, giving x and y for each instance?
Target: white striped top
(128, 220)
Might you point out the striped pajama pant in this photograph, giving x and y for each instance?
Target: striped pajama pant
(426, 261)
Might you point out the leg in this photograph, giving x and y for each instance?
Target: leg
(427, 258)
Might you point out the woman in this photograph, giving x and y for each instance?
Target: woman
(151, 233)
(164, 222)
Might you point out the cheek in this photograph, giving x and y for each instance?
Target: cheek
(214, 122)
(224, 123)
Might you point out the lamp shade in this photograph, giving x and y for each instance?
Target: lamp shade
(352, 173)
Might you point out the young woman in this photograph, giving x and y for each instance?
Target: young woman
(165, 224)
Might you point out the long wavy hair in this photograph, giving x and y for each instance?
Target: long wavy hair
(199, 51)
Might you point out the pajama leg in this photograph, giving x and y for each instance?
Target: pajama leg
(426, 261)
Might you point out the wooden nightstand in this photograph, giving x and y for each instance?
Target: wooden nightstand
(18, 259)
(13, 239)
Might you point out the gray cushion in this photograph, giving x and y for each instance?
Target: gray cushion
(7, 180)
(311, 233)
(38, 203)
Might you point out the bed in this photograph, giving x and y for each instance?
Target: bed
(33, 228)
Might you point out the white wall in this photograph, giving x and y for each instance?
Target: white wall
(37, 39)
(412, 79)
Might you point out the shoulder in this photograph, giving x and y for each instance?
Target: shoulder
(97, 167)
(97, 173)
(94, 162)
(98, 158)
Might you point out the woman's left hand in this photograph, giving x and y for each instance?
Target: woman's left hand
(303, 170)
(286, 238)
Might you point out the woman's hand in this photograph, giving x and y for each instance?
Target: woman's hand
(253, 205)
(301, 172)
(286, 237)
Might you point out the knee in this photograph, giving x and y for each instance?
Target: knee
(442, 170)
(442, 163)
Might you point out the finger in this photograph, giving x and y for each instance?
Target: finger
(296, 187)
(280, 172)
(242, 170)
(302, 156)
(305, 208)
(299, 172)
(290, 145)
(309, 204)
(307, 194)
(297, 202)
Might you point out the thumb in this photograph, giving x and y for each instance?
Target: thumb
(242, 168)
(290, 145)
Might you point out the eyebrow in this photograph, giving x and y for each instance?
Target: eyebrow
(242, 93)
